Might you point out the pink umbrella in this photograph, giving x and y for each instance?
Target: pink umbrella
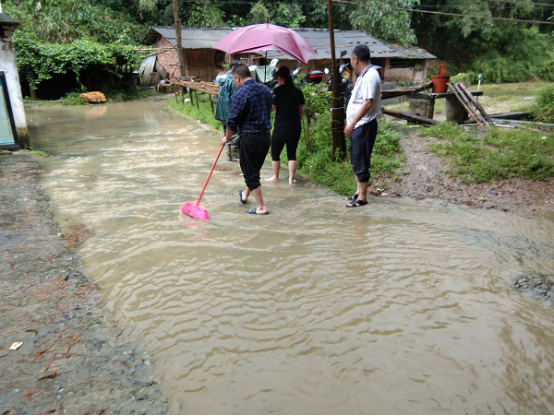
(264, 37)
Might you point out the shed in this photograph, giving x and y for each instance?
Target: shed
(200, 59)
(399, 63)
(204, 62)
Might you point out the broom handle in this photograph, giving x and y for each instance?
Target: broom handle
(210, 174)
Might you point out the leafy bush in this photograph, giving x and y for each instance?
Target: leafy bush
(466, 78)
(72, 98)
(543, 109)
(530, 57)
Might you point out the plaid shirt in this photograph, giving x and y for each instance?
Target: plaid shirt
(251, 109)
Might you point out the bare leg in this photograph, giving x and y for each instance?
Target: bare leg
(362, 188)
(292, 171)
(261, 208)
(276, 165)
(361, 191)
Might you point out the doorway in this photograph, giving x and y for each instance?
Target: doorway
(8, 134)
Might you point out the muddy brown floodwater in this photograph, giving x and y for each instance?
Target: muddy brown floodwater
(407, 306)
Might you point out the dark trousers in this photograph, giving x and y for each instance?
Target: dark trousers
(361, 145)
(282, 137)
(253, 149)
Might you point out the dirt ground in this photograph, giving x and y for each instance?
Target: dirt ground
(72, 359)
(425, 176)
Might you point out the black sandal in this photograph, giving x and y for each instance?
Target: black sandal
(357, 203)
(352, 197)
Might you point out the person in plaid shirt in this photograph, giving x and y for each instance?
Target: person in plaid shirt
(250, 117)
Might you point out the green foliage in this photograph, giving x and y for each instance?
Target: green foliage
(465, 78)
(72, 98)
(543, 109)
(282, 13)
(530, 56)
(205, 14)
(383, 19)
(497, 155)
(473, 42)
(202, 113)
(69, 36)
(38, 61)
(64, 21)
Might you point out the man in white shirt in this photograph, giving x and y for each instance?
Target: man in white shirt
(361, 117)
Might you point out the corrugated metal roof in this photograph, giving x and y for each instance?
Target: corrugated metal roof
(319, 38)
(7, 20)
(194, 38)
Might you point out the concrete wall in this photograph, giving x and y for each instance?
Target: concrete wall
(9, 67)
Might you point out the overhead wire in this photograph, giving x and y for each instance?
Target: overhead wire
(457, 14)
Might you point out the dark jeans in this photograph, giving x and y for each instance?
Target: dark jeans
(282, 136)
(253, 149)
(362, 141)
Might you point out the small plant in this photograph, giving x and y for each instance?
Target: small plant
(543, 109)
(37, 153)
(465, 78)
(71, 98)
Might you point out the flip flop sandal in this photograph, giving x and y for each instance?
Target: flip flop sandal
(357, 203)
(352, 197)
(242, 201)
(253, 211)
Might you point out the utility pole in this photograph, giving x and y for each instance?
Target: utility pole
(178, 36)
(337, 101)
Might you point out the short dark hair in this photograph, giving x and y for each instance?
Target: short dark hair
(234, 63)
(362, 53)
(284, 72)
(241, 71)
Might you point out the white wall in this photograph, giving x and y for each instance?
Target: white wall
(9, 67)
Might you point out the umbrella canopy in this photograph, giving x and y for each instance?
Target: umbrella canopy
(264, 37)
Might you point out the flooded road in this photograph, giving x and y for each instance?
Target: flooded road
(398, 307)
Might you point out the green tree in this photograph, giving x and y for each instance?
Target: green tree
(385, 19)
(482, 36)
(287, 14)
(204, 14)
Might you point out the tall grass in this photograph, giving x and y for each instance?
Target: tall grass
(499, 154)
(203, 112)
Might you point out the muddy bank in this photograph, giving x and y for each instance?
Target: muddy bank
(426, 176)
(72, 359)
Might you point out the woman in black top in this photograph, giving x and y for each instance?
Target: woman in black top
(288, 100)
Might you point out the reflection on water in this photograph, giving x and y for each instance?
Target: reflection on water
(399, 307)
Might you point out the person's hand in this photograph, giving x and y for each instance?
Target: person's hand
(348, 129)
(224, 140)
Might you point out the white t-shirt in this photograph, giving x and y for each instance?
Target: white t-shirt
(367, 87)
